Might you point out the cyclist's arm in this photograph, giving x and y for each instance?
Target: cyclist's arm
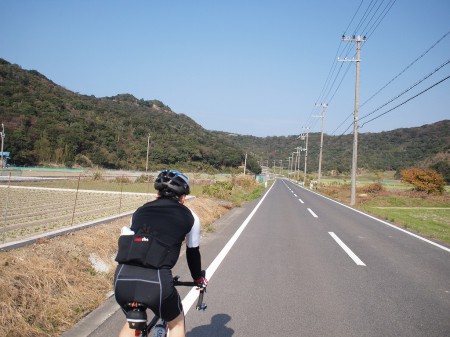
(193, 249)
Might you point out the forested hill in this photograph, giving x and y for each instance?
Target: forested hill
(46, 123)
(425, 146)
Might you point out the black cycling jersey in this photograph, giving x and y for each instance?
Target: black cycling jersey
(150, 248)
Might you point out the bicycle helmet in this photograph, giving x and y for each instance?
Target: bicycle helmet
(173, 181)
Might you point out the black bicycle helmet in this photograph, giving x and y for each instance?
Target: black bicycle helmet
(173, 181)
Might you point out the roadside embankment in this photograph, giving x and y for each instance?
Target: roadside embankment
(48, 286)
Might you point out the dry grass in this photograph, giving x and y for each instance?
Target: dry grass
(49, 286)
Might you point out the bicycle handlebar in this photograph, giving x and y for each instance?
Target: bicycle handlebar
(200, 305)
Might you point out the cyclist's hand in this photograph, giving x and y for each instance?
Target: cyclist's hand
(202, 283)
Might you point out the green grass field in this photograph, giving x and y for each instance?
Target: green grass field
(425, 214)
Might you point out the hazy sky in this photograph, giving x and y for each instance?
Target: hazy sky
(254, 67)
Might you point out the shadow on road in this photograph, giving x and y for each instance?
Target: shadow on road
(217, 328)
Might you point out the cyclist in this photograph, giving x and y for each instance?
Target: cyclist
(150, 248)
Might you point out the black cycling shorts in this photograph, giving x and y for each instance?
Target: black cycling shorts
(152, 287)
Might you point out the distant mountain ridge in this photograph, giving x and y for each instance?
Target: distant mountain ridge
(398, 149)
(45, 122)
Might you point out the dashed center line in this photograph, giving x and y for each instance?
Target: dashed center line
(355, 258)
(301, 201)
(312, 213)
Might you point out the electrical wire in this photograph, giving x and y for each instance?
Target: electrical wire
(409, 99)
(405, 91)
(369, 33)
(333, 67)
(373, 16)
(339, 85)
(377, 21)
(366, 13)
(405, 69)
(398, 96)
(370, 20)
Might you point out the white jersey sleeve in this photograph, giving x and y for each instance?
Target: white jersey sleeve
(193, 237)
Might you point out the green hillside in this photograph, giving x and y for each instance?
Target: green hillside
(425, 146)
(46, 123)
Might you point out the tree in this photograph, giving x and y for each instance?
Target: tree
(443, 167)
(426, 180)
(42, 148)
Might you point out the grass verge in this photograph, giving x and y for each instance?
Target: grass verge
(422, 213)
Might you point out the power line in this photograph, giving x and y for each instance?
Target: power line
(369, 15)
(368, 32)
(339, 85)
(370, 20)
(367, 24)
(393, 79)
(410, 88)
(366, 13)
(409, 99)
(357, 10)
(405, 69)
(334, 65)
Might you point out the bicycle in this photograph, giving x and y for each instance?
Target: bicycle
(136, 313)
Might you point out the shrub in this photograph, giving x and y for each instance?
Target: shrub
(372, 188)
(143, 178)
(97, 175)
(247, 182)
(220, 189)
(123, 180)
(426, 180)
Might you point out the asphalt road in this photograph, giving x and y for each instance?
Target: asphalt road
(303, 265)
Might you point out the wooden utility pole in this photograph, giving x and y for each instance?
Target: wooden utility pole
(324, 106)
(305, 137)
(245, 163)
(358, 41)
(148, 147)
(2, 135)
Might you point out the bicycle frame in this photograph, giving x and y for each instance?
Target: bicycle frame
(137, 315)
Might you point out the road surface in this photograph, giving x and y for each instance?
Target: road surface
(297, 264)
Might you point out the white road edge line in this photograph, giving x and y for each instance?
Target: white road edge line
(312, 213)
(347, 250)
(192, 296)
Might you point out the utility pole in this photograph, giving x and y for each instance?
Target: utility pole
(305, 137)
(324, 106)
(292, 162)
(358, 41)
(289, 166)
(281, 166)
(2, 134)
(245, 163)
(148, 147)
(295, 162)
(298, 162)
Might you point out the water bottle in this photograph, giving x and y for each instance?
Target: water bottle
(160, 331)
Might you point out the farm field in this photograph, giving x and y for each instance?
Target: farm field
(52, 200)
(28, 211)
